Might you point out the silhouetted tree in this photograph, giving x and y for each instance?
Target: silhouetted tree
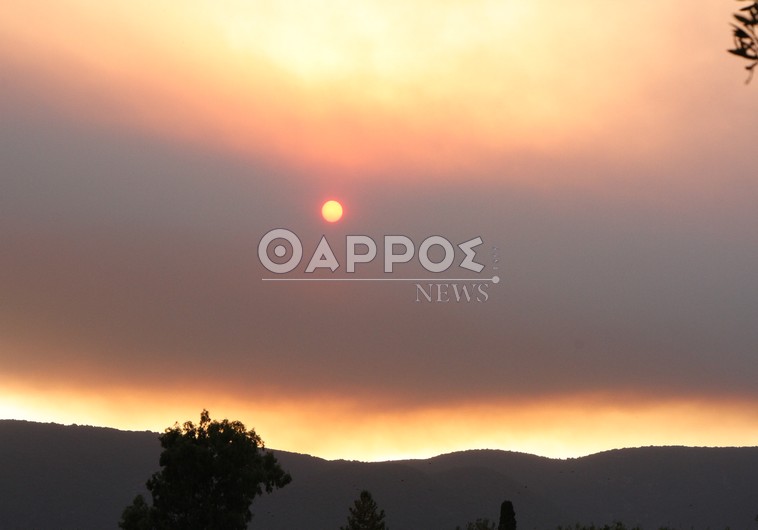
(210, 474)
(364, 514)
(507, 516)
(745, 38)
(136, 516)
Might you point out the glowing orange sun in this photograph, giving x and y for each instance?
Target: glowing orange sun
(331, 211)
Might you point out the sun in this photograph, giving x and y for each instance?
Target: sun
(331, 211)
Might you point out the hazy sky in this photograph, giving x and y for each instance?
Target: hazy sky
(605, 154)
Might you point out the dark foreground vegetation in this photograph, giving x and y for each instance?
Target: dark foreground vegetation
(745, 37)
(211, 472)
(82, 478)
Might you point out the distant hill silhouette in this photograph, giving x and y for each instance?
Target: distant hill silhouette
(75, 477)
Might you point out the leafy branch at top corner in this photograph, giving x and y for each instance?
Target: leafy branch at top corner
(745, 38)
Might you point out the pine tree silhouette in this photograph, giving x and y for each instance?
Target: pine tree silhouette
(364, 515)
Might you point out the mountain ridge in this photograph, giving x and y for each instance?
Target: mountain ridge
(61, 477)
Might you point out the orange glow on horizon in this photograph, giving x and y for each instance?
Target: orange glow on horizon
(336, 428)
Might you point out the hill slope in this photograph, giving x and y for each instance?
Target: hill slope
(69, 477)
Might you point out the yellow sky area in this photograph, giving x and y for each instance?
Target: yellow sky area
(348, 85)
(334, 427)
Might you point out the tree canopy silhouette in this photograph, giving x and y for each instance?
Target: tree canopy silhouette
(210, 474)
(365, 515)
(745, 38)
